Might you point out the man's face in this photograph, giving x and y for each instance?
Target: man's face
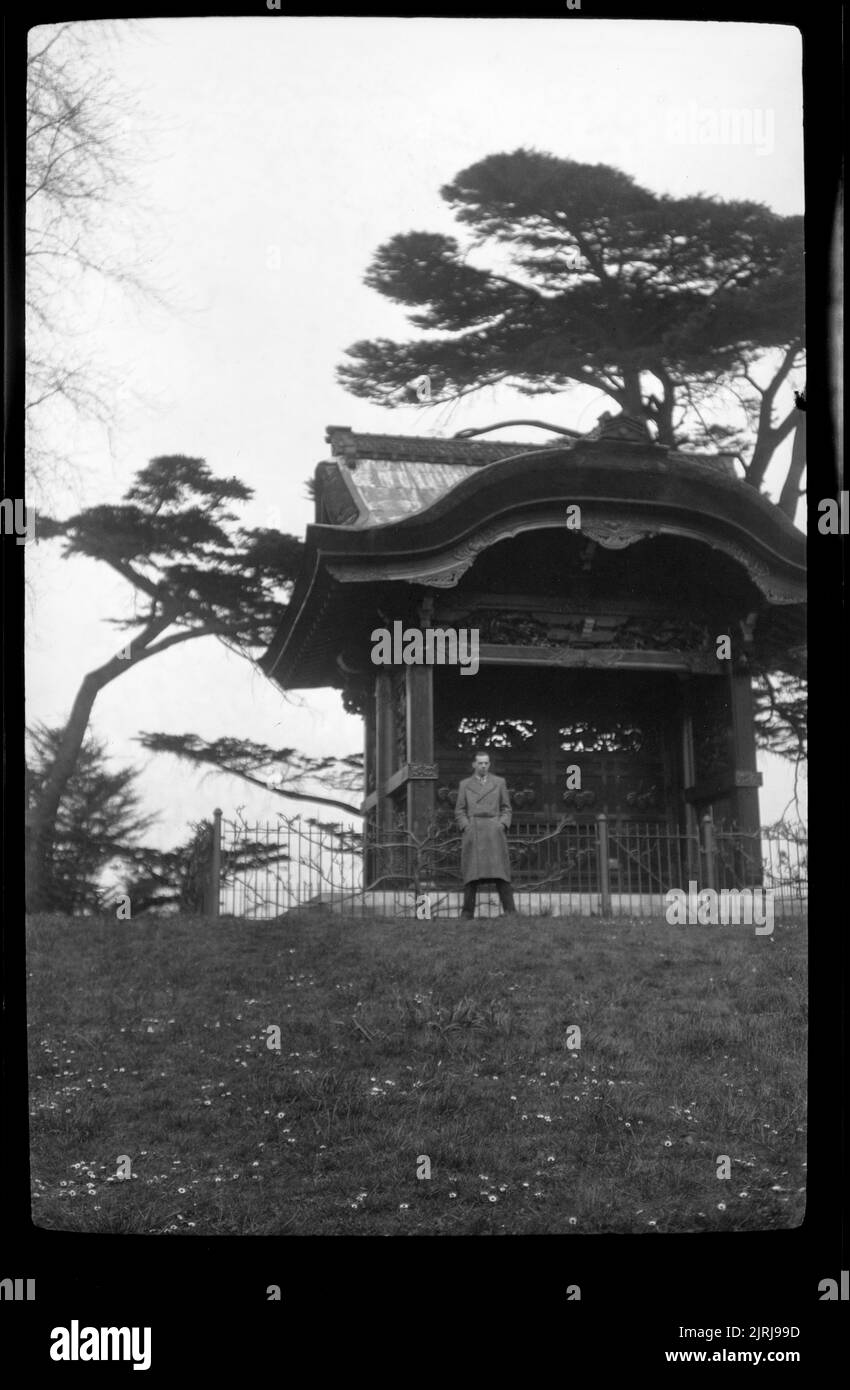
(482, 766)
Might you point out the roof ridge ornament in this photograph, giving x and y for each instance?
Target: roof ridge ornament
(341, 439)
(625, 428)
(503, 424)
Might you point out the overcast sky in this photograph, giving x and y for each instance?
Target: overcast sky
(304, 144)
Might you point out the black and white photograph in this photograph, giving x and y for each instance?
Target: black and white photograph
(415, 614)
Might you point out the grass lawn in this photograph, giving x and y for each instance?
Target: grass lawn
(403, 1039)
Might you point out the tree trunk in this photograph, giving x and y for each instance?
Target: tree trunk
(664, 418)
(631, 399)
(666, 433)
(42, 819)
(762, 454)
(767, 442)
(769, 438)
(790, 495)
(42, 824)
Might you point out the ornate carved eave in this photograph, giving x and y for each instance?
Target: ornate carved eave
(636, 494)
(613, 532)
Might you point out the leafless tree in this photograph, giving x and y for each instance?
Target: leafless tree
(85, 222)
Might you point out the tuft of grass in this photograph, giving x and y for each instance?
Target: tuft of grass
(405, 1039)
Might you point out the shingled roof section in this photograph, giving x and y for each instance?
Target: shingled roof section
(376, 479)
(416, 448)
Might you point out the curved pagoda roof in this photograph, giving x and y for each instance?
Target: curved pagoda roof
(405, 510)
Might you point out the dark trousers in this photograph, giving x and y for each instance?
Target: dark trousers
(470, 893)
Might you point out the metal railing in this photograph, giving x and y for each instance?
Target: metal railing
(618, 867)
(775, 858)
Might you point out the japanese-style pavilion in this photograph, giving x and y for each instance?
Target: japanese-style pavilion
(598, 641)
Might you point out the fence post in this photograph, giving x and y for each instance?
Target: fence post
(602, 851)
(215, 865)
(709, 851)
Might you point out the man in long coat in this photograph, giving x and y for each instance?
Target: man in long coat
(483, 813)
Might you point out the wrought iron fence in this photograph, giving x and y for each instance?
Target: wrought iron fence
(583, 867)
(776, 858)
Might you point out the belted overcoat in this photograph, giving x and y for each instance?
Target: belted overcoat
(483, 813)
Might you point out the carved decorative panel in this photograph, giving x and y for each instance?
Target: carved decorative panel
(711, 726)
(579, 800)
(399, 697)
(615, 534)
(470, 733)
(611, 736)
(587, 633)
(512, 629)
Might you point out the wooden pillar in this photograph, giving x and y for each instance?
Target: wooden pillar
(370, 821)
(708, 878)
(687, 755)
(603, 849)
(384, 749)
(369, 746)
(747, 779)
(422, 772)
(214, 885)
(691, 857)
